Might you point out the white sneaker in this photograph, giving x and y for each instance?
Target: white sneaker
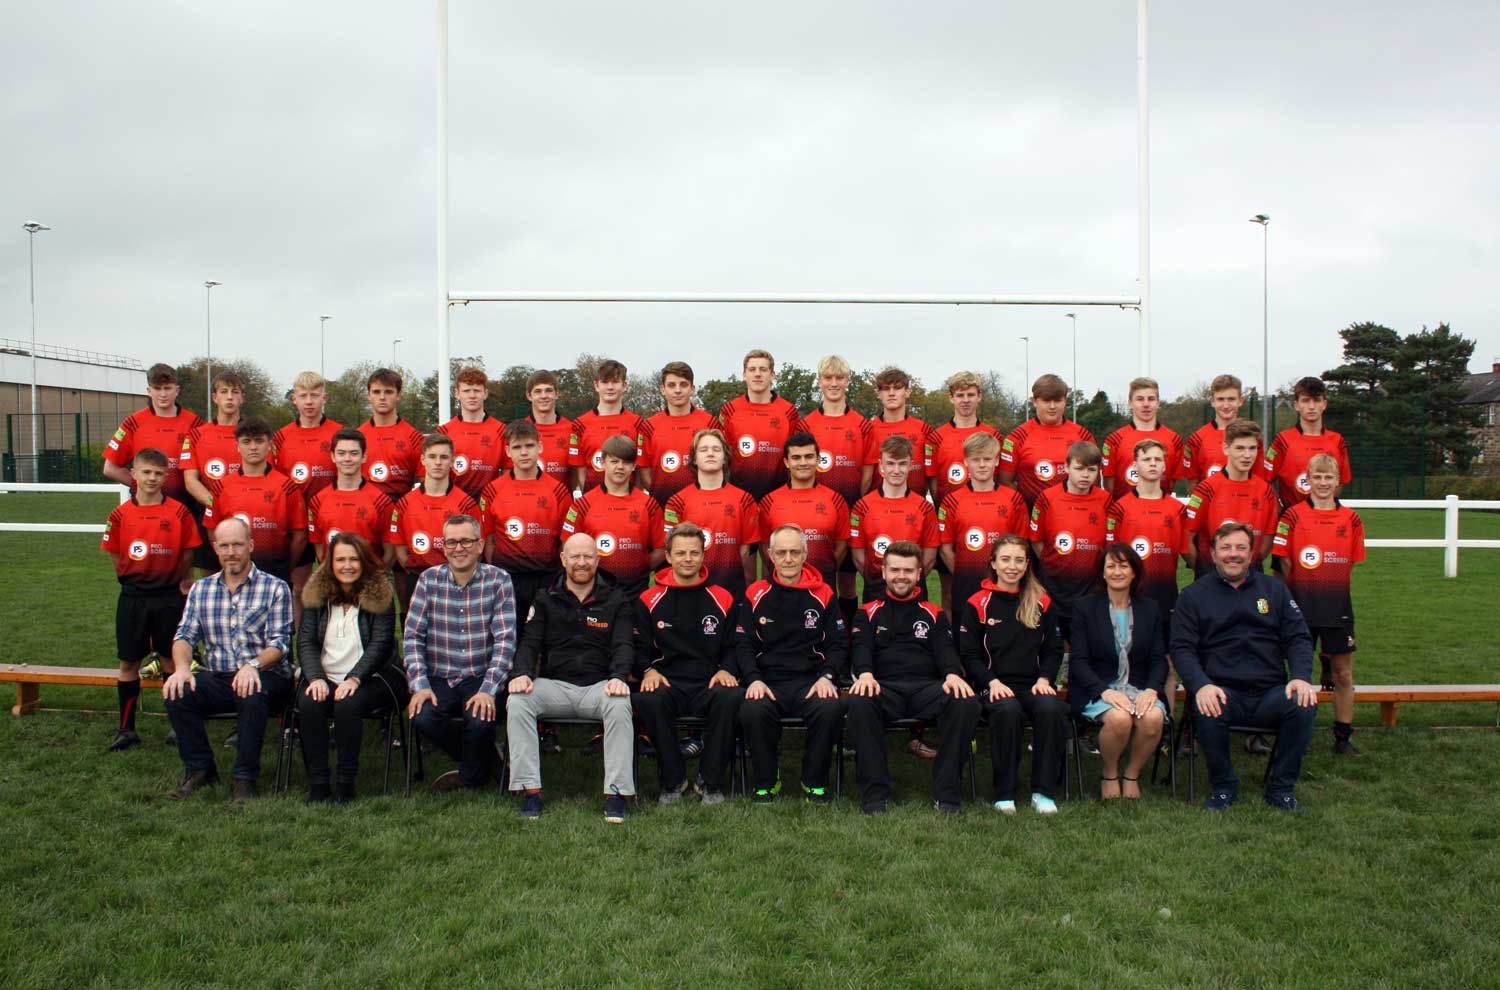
(1043, 805)
(1005, 807)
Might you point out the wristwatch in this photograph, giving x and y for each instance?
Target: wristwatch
(252, 665)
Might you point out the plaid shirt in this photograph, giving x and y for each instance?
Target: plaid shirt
(455, 632)
(236, 626)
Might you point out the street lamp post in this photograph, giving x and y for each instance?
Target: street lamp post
(1027, 382)
(208, 339)
(322, 347)
(1265, 322)
(393, 352)
(33, 228)
(1073, 390)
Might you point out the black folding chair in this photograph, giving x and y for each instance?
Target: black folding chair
(1081, 728)
(1245, 730)
(742, 752)
(395, 730)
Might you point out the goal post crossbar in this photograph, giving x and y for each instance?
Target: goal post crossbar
(840, 298)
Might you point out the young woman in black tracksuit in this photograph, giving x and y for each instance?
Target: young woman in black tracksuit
(1011, 648)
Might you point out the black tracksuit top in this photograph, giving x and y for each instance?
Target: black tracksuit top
(903, 640)
(995, 644)
(790, 632)
(581, 642)
(684, 631)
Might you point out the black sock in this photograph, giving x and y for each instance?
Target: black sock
(130, 693)
(1342, 730)
(847, 607)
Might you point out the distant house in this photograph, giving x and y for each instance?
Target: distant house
(1484, 390)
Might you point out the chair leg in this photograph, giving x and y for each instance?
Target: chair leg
(390, 737)
(282, 782)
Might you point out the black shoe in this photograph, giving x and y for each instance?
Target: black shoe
(1089, 745)
(672, 794)
(241, 790)
(692, 747)
(232, 740)
(1219, 801)
(124, 739)
(594, 745)
(531, 806)
(192, 783)
(643, 747)
(1256, 745)
(817, 795)
(947, 807)
(446, 783)
(343, 792)
(550, 743)
(318, 792)
(171, 739)
(1345, 747)
(874, 808)
(1288, 804)
(1326, 677)
(615, 809)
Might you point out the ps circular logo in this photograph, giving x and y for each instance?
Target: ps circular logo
(328, 538)
(1310, 557)
(1045, 470)
(1213, 470)
(380, 471)
(746, 445)
(1141, 546)
(1302, 485)
(1063, 543)
(515, 528)
(881, 544)
(956, 474)
(825, 461)
(974, 538)
(1132, 476)
(460, 464)
(138, 550)
(605, 542)
(421, 542)
(671, 461)
(214, 468)
(244, 517)
(597, 460)
(301, 472)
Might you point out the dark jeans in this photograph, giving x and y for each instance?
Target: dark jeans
(375, 696)
(761, 723)
(469, 740)
(1049, 717)
(657, 712)
(1271, 710)
(214, 695)
(925, 700)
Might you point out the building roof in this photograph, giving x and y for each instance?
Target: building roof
(47, 352)
(1483, 388)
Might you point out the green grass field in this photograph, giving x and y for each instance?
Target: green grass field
(1388, 883)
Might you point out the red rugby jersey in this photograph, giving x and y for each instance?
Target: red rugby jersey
(729, 519)
(418, 519)
(946, 465)
(841, 450)
(666, 444)
(270, 503)
(144, 428)
(1219, 499)
(554, 453)
(1038, 453)
(1285, 462)
(820, 511)
(757, 433)
(1156, 529)
(211, 450)
(365, 510)
(922, 438)
(148, 543)
(393, 456)
(1119, 455)
(478, 450)
(589, 433)
(1071, 529)
(1321, 546)
(626, 529)
(305, 454)
(972, 523)
(525, 518)
(1203, 453)
(876, 521)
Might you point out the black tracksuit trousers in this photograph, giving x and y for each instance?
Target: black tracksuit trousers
(956, 719)
(657, 712)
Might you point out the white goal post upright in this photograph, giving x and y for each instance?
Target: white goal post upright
(1140, 303)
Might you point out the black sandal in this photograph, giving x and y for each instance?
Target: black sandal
(1109, 780)
(1133, 780)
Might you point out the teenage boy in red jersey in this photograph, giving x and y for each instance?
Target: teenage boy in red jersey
(974, 517)
(1068, 530)
(667, 439)
(351, 504)
(1118, 462)
(1236, 494)
(162, 425)
(418, 519)
(894, 388)
(478, 438)
(1033, 456)
(552, 430)
(608, 419)
(725, 513)
(303, 451)
(624, 521)
(150, 539)
(210, 451)
(1287, 457)
(1154, 525)
(1203, 452)
(1317, 544)
(892, 513)
(522, 512)
(819, 511)
(267, 501)
(758, 424)
(841, 434)
(946, 469)
(393, 447)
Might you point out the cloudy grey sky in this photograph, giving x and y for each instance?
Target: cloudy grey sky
(288, 150)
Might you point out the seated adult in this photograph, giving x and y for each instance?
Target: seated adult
(572, 663)
(459, 639)
(906, 666)
(684, 653)
(346, 646)
(790, 646)
(1118, 670)
(1242, 648)
(1011, 647)
(242, 617)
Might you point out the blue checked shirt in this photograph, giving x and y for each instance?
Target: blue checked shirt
(236, 626)
(455, 632)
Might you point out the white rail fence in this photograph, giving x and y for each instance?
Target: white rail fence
(1450, 543)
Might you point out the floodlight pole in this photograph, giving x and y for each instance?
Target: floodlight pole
(444, 396)
(1027, 342)
(33, 228)
(208, 342)
(1143, 188)
(323, 347)
(1265, 322)
(1073, 390)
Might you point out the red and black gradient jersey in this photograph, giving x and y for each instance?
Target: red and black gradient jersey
(1038, 454)
(365, 510)
(841, 450)
(478, 450)
(305, 454)
(1118, 450)
(729, 520)
(211, 450)
(945, 467)
(972, 523)
(1285, 463)
(666, 444)
(589, 433)
(820, 511)
(271, 504)
(393, 456)
(1321, 547)
(876, 521)
(149, 543)
(1156, 529)
(625, 528)
(143, 429)
(417, 523)
(524, 519)
(922, 440)
(1221, 499)
(757, 433)
(1203, 454)
(554, 454)
(1071, 529)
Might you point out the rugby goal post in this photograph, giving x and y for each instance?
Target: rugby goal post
(1140, 303)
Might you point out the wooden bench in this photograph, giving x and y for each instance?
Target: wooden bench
(29, 678)
(1390, 696)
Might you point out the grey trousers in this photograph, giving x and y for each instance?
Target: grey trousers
(551, 699)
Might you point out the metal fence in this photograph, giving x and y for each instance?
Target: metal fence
(69, 447)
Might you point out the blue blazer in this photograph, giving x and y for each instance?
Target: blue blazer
(1094, 661)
